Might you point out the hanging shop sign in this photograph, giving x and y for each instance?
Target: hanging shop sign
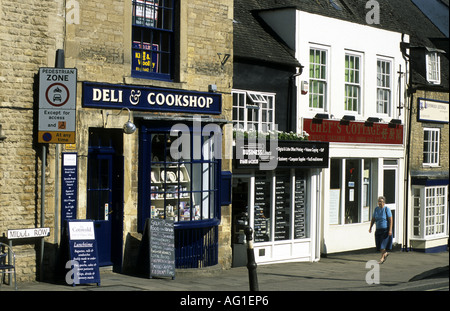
(96, 95)
(353, 132)
(57, 101)
(288, 154)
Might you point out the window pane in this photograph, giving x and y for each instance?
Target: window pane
(153, 35)
(181, 190)
(282, 206)
(262, 210)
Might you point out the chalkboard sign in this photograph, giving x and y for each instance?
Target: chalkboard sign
(83, 252)
(157, 250)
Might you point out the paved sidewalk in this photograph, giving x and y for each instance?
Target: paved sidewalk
(340, 272)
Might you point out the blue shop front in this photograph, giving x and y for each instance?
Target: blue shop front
(153, 153)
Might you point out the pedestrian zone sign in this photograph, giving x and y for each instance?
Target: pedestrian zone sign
(57, 105)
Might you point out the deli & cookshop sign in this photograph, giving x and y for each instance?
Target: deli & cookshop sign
(100, 95)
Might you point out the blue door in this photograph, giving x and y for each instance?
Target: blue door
(105, 195)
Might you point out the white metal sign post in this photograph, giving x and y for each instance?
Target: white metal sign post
(57, 105)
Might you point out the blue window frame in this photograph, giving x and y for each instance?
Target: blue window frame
(185, 190)
(153, 39)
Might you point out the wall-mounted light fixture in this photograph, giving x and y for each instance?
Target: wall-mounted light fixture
(394, 122)
(371, 120)
(319, 117)
(129, 127)
(346, 119)
(212, 88)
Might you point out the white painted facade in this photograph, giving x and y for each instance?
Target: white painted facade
(303, 31)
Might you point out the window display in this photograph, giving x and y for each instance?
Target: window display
(181, 190)
(289, 208)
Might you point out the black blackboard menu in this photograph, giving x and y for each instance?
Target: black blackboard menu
(299, 208)
(262, 209)
(157, 251)
(83, 253)
(282, 208)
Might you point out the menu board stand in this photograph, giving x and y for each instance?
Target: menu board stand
(82, 252)
(157, 249)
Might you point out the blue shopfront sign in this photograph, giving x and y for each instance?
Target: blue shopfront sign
(101, 95)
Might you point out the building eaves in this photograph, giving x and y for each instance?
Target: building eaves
(254, 40)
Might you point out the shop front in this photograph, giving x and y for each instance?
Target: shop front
(280, 204)
(366, 161)
(169, 168)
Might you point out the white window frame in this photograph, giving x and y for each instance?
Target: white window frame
(433, 64)
(430, 219)
(323, 64)
(431, 147)
(257, 105)
(353, 84)
(384, 87)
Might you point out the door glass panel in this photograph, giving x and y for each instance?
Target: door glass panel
(389, 192)
(389, 186)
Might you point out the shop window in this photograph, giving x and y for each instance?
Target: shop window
(351, 191)
(383, 86)
(367, 190)
(431, 147)
(318, 79)
(352, 83)
(335, 191)
(430, 218)
(279, 213)
(183, 189)
(262, 209)
(253, 111)
(153, 36)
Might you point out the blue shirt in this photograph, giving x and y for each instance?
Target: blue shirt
(380, 217)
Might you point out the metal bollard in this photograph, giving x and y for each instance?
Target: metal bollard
(251, 263)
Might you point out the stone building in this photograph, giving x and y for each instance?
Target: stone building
(31, 32)
(157, 64)
(428, 137)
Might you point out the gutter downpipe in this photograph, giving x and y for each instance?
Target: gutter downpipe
(409, 103)
(292, 99)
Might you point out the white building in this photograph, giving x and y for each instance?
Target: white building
(353, 83)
